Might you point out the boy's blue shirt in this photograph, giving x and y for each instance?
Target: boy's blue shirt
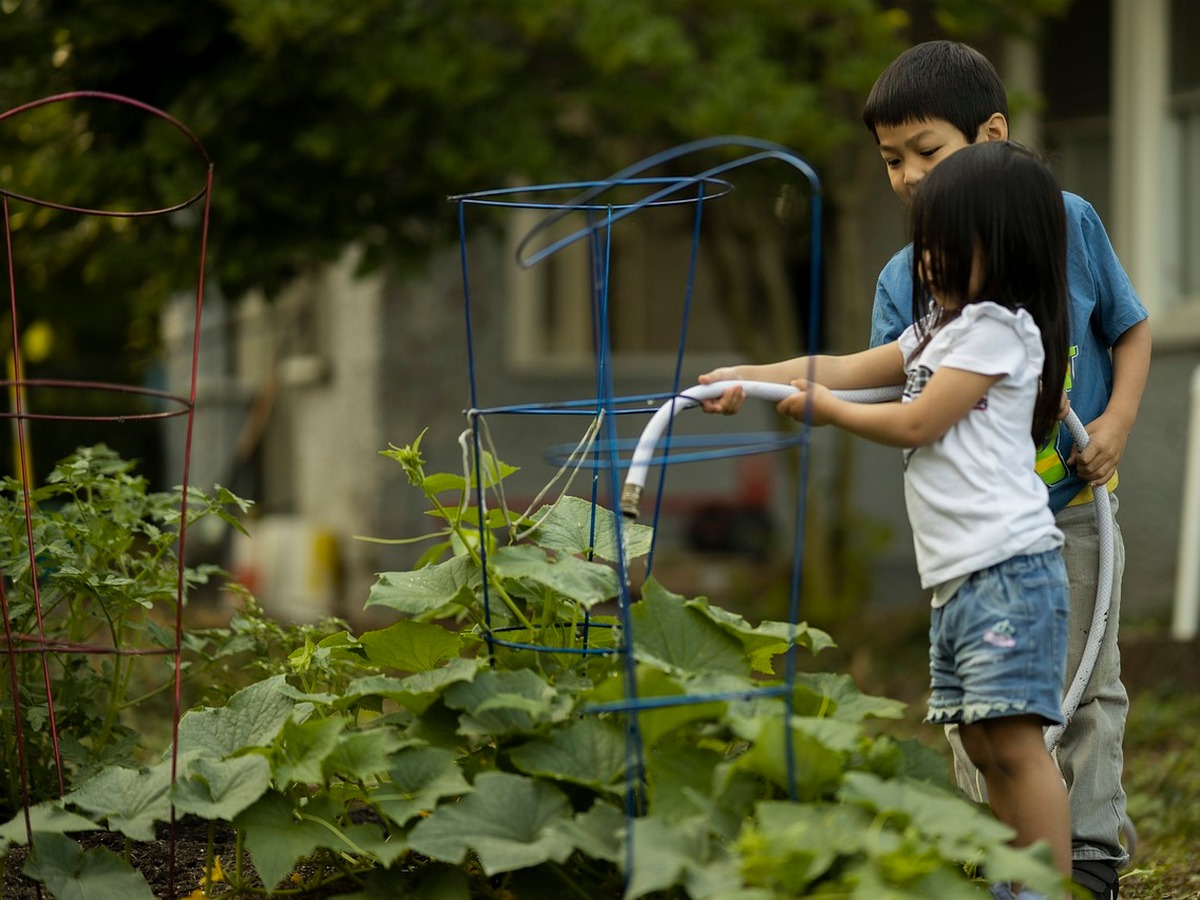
(1103, 306)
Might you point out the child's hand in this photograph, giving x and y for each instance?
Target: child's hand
(730, 401)
(808, 392)
(1106, 444)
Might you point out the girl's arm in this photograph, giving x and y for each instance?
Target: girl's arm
(948, 397)
(877, 367)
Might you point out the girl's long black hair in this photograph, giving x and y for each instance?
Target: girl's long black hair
(996, 200)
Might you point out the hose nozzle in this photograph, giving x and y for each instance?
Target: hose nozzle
(631, 496)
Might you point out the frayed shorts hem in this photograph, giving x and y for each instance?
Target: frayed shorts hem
(981, 711)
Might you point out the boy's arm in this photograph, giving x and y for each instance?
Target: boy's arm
(950, 394)
(1109, 431)
(891, 311)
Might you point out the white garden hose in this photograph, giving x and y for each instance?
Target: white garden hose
(639, 466)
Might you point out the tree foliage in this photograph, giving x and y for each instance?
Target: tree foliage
(332, 121)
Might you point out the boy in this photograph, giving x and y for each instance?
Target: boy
(931, 101)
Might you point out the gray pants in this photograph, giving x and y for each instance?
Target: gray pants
(1089, 752)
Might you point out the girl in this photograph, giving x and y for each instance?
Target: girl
(983, 369)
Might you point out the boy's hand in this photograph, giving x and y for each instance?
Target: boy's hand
(1106, 444)
(730, 401)
(808, 392)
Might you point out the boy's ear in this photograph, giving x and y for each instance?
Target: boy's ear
(994, 129)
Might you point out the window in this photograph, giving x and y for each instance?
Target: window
(1184, 105)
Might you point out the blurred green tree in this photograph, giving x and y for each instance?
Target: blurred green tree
(333, 122)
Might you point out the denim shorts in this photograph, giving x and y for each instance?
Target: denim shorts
(999, 647)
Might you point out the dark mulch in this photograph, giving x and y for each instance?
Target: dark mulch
(171, 876)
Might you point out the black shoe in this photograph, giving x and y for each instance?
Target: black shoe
(1098, 876)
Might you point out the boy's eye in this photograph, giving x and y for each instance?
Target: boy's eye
(932, 151)
(891, 163)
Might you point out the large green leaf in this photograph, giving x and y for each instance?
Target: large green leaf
(506, 702)
(69, 873)
(568, 526)
(221, 788)
(278, 835)
(47, 817)
(956, 828)
(252, 718)
(837, 696)
(687, 782)
(670, 634)
(599, 832)
(411, 646)
(415, 692)
(591, 751)
(131, 800)
(420, 777)
(945, 817)
(427, 591)
(361, 755)
(814, 765)
(586, 583)
(666, 854)
(510, 821)
(655, 722)
(302, 748)
(789, 845)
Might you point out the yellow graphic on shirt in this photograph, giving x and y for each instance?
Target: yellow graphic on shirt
(1051, 466)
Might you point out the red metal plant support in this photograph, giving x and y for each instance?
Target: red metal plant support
(23, 411)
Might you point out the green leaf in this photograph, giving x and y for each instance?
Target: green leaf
(511, 822)
(360, 755)
(678, 780)
(276, 838)
(591, 751)
(837, 696)
(252, 718)
(420, 777)
(956, 826)
(670, 634)
(568, 526)
(657, 722)
(764, 641)
(131, 800)
(787, 846)
(411, 646)
(416, 692)
(428, 591)
(71, 874)
(221, 788)
(666, 854)
(506, 702)
(302, 748)
(586, 583)
(47, 817)
(816, 768)
(599, 832)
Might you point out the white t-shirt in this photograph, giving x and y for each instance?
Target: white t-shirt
(973, 496)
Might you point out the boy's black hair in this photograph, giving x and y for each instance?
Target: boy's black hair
(998, 202)
(936, 80)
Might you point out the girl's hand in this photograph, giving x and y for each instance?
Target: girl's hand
(808, 392)
(730, 401)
